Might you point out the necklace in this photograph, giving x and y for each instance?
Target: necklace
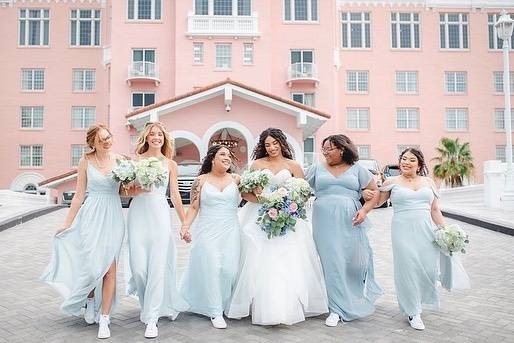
(98, 162)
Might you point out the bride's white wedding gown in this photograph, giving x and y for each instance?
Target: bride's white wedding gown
(281, 280)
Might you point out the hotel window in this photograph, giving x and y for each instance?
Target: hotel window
(456, 82)
(198, 53)
(85, 28)
(499, 119)
(494, 41)
(31, 117)
(142, 99)
(301, 10)
(223, 7)
(304, 98)
(356, 29)
(143, 62)
(405, 30)
(357, 81)
(364, 151)
(401, 147)
(357, 118)
(248, 53)
(144, 9)
(84, 80)
(33, 79)
(407, 118)
(34, 27)
(407, 82)
(498, 81)
(501, 154)
(31, 155)
(457, 119)
(223, 56)
(244, 7)
(308, 151)
(82, 117)
(453, 31)
(77, 151)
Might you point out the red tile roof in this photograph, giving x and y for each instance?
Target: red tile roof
(57, 177)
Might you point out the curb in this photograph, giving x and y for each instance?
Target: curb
(478, 222)
(23, 218)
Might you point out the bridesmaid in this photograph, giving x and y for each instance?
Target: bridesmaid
(152, 252)
(416, 258)
(87, 246)
(210, 277)
(340, 226)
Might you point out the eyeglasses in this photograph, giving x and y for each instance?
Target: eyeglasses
(327, 150)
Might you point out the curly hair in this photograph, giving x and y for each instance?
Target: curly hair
(142, 144)
(350, 154)
(422, 166)
(209, 157)
(260, 149)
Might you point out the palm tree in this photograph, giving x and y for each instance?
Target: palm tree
(454, 162)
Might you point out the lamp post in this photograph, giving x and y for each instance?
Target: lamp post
(504, 27)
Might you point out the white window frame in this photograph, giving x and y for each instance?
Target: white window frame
(361, 114)
(310, 16)
(366, 147)
(412, 24)
(358, 81)
(496, 44)
(218, 57)
(235, 9)
(498, 82)
(32, 155)
(406, 82)
(501, 153)
(144, 94)
(84, 80)
(33, 111)
(95, 30)
(24, 21)
(365, 24)
(198, 53)
(451, 82)
(463, 25)
(461, 115)
(148, 67)
(33, 72)
(411, 113)
(312, 153)
(304, 97)
(499, 117)
(74, 159)
(136, 11)
(85, 121)
(248, 53)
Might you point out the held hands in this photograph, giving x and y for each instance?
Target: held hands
(368, 194)
(359, 217)
(185, 234)
(257, 191)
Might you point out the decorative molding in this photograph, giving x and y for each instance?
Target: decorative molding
(429, 4)
(24, 179)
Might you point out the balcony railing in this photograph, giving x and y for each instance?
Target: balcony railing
(222, 25)
(142, 71)
(302, 72)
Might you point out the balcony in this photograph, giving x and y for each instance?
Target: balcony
(222, 25)
(142, 71)
(302, 72)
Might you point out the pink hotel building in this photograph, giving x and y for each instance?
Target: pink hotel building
(389, 74)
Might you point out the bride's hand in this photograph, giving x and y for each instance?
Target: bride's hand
(257, 191)
(359, 217)
(185, 234)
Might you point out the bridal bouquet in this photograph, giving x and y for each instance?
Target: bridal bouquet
(150, 173)
(252, 179)
(281, 206)
(124, 171)
(451, 238)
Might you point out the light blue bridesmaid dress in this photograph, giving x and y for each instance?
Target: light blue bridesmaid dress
(210, 277)
(416, 259)
(344, 250)
(83, 253)
(153, 256)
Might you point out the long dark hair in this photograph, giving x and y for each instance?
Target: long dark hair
(207, 160)
(344, 143)
(422, 166)
(260, 148)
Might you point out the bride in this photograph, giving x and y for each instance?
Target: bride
(280, 279)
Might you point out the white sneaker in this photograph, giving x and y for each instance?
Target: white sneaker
(416, 322)
(332, 319)
(89, 313)
(219, 322)
(103, 327)
(151, 329)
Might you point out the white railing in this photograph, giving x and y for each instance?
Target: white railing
(222, 25)
(302, 71)
(142, 69)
